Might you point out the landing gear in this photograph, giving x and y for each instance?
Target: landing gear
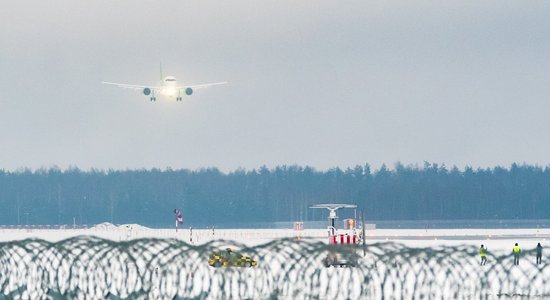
(178, 98)
(153, 99)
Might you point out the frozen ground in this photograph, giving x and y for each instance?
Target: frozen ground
(495, 239)
(445, 266)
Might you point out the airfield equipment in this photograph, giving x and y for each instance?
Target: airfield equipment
(332, 217)
(343, 244)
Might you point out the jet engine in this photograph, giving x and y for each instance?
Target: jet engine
(147, 91)
(189, 91)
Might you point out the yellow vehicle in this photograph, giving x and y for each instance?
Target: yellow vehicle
(229, 258)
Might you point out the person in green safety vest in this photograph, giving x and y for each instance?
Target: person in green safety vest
(483, 254)
(516, 251)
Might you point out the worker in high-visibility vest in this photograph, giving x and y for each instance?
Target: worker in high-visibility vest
(516, 251)
(483, 254)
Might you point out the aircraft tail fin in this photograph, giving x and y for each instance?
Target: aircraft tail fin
(161, 78)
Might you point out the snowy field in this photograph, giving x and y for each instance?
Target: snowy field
(495, 239)
(145, 263)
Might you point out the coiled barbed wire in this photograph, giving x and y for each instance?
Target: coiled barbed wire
(87, 267)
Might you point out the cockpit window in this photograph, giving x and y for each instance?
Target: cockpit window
(170, 79)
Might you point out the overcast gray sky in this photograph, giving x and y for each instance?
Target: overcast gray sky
(319, 83)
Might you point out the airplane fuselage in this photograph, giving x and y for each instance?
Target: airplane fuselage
(169, 87)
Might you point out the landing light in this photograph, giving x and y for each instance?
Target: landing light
(169, 91)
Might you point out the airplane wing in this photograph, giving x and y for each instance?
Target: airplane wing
(201, 86)
(133, 86)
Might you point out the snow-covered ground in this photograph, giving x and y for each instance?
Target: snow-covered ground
(495, 239)
(399, 263)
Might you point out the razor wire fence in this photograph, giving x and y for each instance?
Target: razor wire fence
(92, 268)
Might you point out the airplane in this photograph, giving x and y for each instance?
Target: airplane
(167, 87)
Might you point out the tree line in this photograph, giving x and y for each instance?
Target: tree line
(285, 193)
